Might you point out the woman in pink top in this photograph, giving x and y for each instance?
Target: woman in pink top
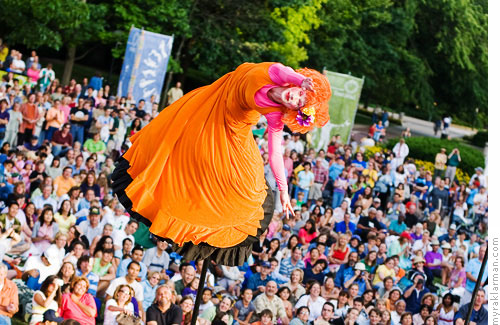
(78, 304)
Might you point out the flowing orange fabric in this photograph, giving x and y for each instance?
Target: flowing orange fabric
(197, 173)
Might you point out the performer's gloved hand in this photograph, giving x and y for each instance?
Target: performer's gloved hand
(285, 203)
(307, 84)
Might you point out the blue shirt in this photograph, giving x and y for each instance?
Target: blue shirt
(473, 268)
(413, 301)
(122, 269)
(149, 294)
(344, 273)
(335, 170)
(255, 281)
(399, 228)
(93, 282)
(287, 267)
(342, 227)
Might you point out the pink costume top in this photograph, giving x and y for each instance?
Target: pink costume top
(282, 76)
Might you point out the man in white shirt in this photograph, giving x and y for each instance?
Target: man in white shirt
(117, 218)
(128, 232)
(38, 268)
(296, 144)
(45, 199)
(400, 151)
(132, 273)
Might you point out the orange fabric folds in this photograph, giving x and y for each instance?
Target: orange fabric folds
(197, 173)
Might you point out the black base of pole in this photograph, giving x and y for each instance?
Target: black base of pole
(199, 292)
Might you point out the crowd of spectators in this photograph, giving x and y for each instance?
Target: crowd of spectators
(374, 240)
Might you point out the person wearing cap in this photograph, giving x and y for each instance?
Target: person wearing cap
(434, 259)
(452, 234)
(257, 281)
(92, 227)
(360, 277)
(284, 235)
(478, 177)
(38, 268)
(50, 317)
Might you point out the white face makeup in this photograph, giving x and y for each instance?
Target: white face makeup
(293, 98)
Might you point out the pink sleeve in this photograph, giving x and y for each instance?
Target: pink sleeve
(282, 75)
(275, 129)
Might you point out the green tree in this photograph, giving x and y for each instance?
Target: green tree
(52, 23)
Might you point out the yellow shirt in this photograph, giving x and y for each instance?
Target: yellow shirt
(64, 223)
(63, 185)
(372, 176)
(385, 272)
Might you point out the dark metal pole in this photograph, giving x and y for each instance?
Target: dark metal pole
(476, 288)
(199, 292)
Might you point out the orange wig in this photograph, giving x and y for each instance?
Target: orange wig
(317, 100)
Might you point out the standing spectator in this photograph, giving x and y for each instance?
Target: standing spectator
(454, 160)
(174, 93)
(30, 118)
(47, 75)
(305, 181)
(12, 127)
(320, 171)
(440, 163)
(54, 120)
(339, 189)
(4, 118)
(79, 115)
(400, 151)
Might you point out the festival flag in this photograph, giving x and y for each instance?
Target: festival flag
(145, 64)
(343, 105)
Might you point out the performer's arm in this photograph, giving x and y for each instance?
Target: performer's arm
(275, 129)
(283, 75)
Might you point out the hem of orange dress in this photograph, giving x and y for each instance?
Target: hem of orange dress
(236, 254)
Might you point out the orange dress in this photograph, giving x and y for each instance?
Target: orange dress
(194, 172)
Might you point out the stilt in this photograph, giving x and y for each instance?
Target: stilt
(199, 292)
(476, 287)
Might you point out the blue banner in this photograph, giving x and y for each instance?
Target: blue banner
(145, 64)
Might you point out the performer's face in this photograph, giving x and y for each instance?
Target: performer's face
(293, 98)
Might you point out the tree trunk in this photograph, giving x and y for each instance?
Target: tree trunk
(68, 64)
(170, 75)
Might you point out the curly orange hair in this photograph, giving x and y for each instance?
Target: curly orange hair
(319, 100)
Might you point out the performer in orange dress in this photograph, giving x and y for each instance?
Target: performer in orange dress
(194, 174)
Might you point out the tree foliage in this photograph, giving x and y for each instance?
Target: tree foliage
(421, 56)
